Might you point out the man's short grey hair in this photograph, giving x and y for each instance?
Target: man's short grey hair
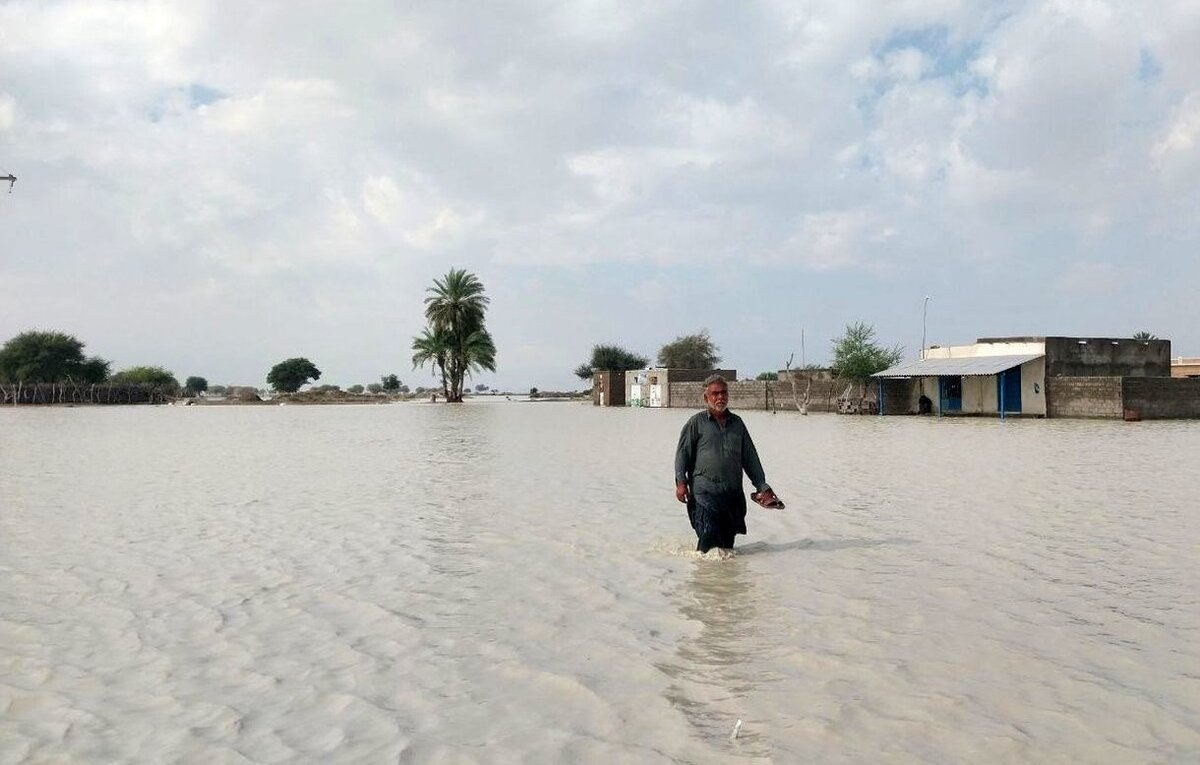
(715, 379)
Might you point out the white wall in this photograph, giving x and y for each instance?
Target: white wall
(984, 349)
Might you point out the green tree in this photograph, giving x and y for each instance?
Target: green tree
(391, 383)
(455, 342)
(154, 377)
(195, 385)
(1144, 335)
(857, 355)
(375, 388)
(432, 347)
(767, 376)
(356, 389)
(690, 352)
(289, 375)
(36, 356)
(611, 358)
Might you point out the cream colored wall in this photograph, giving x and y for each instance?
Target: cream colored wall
(978, 395)
(928, 385)
(984, 349)
(1185, 367)
(1033, 373)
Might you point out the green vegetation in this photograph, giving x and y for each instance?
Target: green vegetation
(49, 357)
(611, 358)
(194, 386)
(857, 355)
(391, 383)
(690, 352)
(455, 342)
(374, 388)
(767, 376)
(1144, 335)
(356, 389)
(288, 376)
(153, 377)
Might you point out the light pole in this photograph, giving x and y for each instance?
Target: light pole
(924, 311)
(12, 180)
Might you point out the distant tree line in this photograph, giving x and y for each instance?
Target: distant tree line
(38, 367)
(856, 355)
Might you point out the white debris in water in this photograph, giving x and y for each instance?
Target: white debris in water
(737, 728)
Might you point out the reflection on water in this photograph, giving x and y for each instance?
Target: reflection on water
(716, 668)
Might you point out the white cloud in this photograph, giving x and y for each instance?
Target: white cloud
(8, 111)
(330, 163)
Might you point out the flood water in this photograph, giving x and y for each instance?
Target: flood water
(510, 582)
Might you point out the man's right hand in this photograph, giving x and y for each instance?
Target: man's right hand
(681, 492)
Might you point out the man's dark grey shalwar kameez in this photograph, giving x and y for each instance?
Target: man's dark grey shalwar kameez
(710, 459)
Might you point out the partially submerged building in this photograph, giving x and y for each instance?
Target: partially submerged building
(608, 388)
(652, 387)
(1042, 377)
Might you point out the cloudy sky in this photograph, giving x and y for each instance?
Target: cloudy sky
(214, 187)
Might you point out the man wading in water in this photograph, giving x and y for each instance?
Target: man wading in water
(714, 449)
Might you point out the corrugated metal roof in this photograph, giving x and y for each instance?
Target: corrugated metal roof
(974, 366)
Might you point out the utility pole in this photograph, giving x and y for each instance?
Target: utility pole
(12, 180)
(924, 311)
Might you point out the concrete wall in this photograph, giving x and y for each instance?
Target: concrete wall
(1162, 397)
(987, 348)
(1107, 357)
(608, 388)
(1033, 388)
(1185, 367)
(1095, 397)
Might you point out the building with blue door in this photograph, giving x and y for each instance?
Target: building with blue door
(997, 378)
(1025, 376)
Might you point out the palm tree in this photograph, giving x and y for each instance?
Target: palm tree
(1144, 335)
(432, 347)
(456, 302)
(477, 353)
(455, 310)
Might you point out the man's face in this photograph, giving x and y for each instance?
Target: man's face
(717, 397)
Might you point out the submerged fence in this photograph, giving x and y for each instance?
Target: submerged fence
(74, 393)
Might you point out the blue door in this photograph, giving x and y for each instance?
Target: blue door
(1008, 390)
(950, 393)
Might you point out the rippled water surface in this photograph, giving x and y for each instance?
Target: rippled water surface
(510, 582)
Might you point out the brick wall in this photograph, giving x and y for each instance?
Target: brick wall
(767, 394)
(1162, 397)
(742, 395)
(1096, 397)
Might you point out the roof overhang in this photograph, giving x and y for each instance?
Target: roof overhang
(973, 366)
